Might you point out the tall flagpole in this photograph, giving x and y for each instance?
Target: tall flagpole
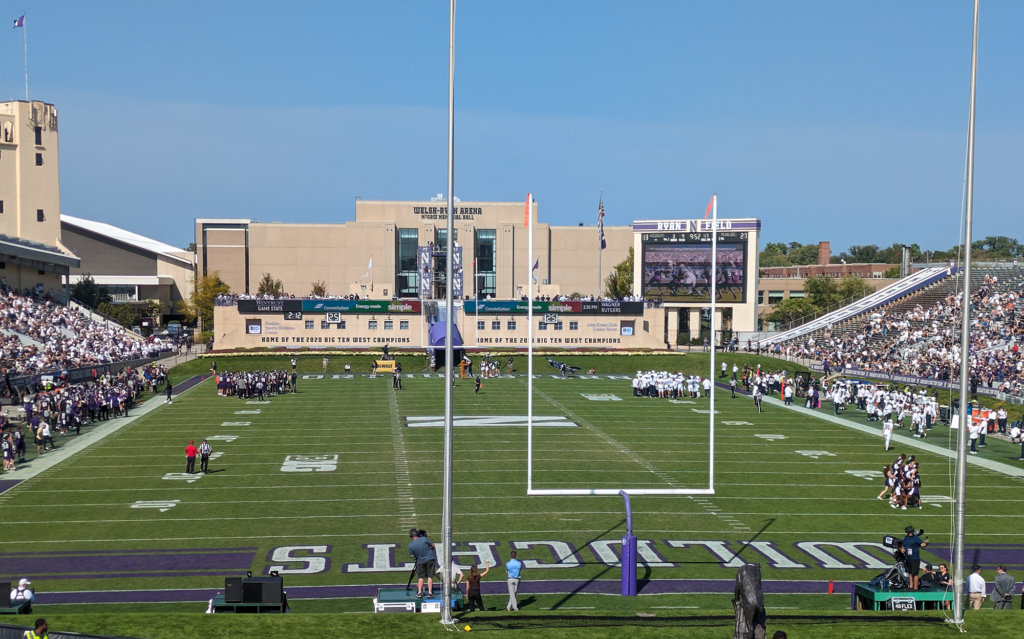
(600, 249)
(24, 30)
(965, 353)
(449, 351)
(529, 351)
(714, 290)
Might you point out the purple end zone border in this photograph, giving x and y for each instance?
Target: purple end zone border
(175, 551)
(603, 587)
(7, 484)
(189, 383)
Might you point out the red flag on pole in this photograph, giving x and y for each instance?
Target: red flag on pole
(710, 204)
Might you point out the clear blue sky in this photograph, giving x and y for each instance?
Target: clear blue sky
(829, 121)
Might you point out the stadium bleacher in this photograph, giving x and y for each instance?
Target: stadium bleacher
(915, 331)
(38, 335)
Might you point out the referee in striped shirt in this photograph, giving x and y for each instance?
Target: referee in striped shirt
(204, 457)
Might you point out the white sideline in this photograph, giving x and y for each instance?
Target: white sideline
(913, 442)
(83, 441)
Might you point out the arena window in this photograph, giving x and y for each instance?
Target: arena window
(496, 325)
(574, 326)
(481, 325)
(309, 324)
(389, 325)
(511, 325)
(372, 325)
(403, 325)
(558, 326)
(542, 326)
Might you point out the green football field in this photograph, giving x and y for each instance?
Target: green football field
(323, 486)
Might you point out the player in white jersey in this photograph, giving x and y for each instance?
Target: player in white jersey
(887, 432)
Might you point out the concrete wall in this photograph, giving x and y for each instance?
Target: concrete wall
(594, 331)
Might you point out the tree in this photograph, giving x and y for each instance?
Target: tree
(804, 255)
(123, 314)
(853, 286)
(319, 289)
(191, 248)
(620, 282)
(999, 246)
(825, 291)
(199, 305)
(269, 286)
(891, 273)
(88, 292)
(791, 309)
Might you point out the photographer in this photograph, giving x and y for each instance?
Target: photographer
(912, 545)
(422, 551)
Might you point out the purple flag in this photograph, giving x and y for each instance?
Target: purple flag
(20, 22)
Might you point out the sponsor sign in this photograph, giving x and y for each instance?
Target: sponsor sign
(902, 603)
(385, 365)
(905, 379)
(360, 306)
(269, 306)
(603, 307)
(253, 326)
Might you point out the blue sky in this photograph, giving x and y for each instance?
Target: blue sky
(841, 122)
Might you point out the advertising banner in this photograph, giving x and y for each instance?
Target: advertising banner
(269, 306)
(360, 306)
(603, 307)
(906, 379)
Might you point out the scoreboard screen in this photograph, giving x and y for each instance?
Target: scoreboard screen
(677, 267)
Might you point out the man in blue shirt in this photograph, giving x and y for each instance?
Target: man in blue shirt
(912, 545)
(422, 551)
(514, 567)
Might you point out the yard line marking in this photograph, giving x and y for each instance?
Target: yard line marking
(626, 452)
(403, 481)
(999, 467)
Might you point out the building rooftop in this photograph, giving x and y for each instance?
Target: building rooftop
(126, 237)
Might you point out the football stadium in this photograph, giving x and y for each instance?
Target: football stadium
(480, 418)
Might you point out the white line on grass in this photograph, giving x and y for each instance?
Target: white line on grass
(403, 482)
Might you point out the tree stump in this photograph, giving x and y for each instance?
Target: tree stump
(748, 602)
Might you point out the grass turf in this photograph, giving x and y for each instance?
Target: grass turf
(767, 491)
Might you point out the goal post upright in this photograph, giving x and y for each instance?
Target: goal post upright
(710, 490)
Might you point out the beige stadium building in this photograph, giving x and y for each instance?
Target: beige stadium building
(392, 257)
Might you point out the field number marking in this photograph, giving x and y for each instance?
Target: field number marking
(309, 463)
(491, 421)
(162, 506)
(769, 438)
(814, 454)
(223, 438)
(182, 477)
(601, 398)
(869, 475)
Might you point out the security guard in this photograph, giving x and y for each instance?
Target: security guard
(40, 631)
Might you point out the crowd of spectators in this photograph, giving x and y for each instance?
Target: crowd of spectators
(60, 337)
(925, 341)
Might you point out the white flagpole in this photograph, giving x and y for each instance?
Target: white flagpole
(24, 29)
(714, 282)
(600, 249)
(449, 347)
(529, 353)
(960, 499)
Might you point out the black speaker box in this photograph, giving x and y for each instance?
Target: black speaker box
(265, 590)
(5, 594)
(232, 590)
